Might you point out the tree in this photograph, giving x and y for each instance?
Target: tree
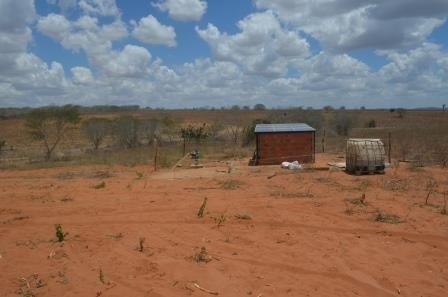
(49, 125)
(126, 131)
(150, 129)
(248, 132)
(371, 123)
(259, 106)
(194, 132)
(328, 108)
(96, 129)
(401, 112)
(234, 133)
(343, 122)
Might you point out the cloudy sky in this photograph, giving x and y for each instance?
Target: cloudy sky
(186, 53)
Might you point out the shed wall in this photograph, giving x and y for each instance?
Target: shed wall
(274, 148)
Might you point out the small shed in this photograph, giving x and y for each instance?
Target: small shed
(365, 156)
(276, 143)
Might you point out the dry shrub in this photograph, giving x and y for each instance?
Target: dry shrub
(386, 218)
(231, 184)
(243, 217)
(396, 184)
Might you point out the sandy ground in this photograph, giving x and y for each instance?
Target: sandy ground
(265, 232)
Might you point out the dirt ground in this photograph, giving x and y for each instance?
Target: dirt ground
(265, 231)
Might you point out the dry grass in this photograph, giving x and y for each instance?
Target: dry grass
(231, 184)
(386, 218)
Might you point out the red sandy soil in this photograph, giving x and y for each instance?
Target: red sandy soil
(304, 237)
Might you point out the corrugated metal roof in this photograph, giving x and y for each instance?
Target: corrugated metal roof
(291, 127)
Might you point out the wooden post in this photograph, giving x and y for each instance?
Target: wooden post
(389, 147)
(156, 153)
(323, 142)
(185, 148)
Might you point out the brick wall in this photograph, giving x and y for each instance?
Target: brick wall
(274, 148)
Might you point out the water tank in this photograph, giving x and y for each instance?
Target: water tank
(365, 155)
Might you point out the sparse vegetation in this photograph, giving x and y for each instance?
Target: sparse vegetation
(243, 216)
(141, 243)
(126, 131)
(200, 213)
(60, 234)
(202, 256)
(359, 201)
(196, 133)
(220, 219)
(231, 184)
(96, 130)
(443, 211)
(116, 236)
(2, 145)
(386, 218)
(431, 186)
(49, 125)
(371, 124)
(101, 185)
(101, 276)
(139, 175)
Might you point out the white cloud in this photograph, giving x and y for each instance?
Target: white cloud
(149, 30)
(183, 10)
(99, 7)
(64, 5)
(54, 26)
(343, 25)
(421, 69)
(268, 60)
(263, 46)
(82, 75)
(132, 61)
(86, 34)
(15, 16)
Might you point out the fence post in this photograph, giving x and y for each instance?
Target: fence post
(156, 153)
(389, 147)
(323, 142)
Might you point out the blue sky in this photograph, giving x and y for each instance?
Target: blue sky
(190, 53)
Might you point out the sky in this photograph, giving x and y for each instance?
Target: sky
(198, 53)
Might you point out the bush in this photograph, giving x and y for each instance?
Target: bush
(150, 129)
(371, 123)
(96, 129)
(259, 106)
(196, 133)
(343, 122)
(126, 131)
(248, 132)
(49, 125)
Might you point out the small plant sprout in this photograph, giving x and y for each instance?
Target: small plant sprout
(443, 211)
(141, 242)
(220, 219)
(202, 208)
(243, 216)
(431, 186)
(60, 234)
(101, 185)
(387, 218)
(348, 210)
(101, 276)
(202, 256)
